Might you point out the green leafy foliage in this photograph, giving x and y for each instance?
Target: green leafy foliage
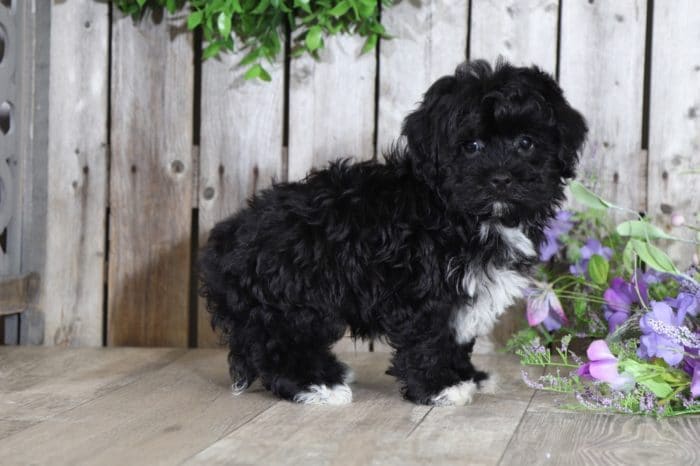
(641, 229)
(653, 256)
(600, 276)
(649, 376)
(260, 26)
(587, 197)
(598, 269)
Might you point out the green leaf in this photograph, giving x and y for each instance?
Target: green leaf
(598, 269)
(211, 50)
(303, 4)
(653, 256)
(587, 197)
(236, 5)
(253, 72)
(366, 8)
(641, 229)
(581, 309)
(250, 58)
(340, 9)
(262, 6)
(313, 38)
(264, 75)
(194, 19)
(171, 6)
(648, 376)
(257, 71)
(223, 24)
(141, 3)
(658, 387)
(370, 43)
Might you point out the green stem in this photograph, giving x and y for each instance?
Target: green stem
(582, 296)
(557, 364)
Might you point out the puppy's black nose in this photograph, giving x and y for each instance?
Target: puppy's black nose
(500, 180)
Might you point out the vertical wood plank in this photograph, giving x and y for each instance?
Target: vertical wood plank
(33, 149)
(151, 181)
(674, 125)
(331, 106)
(73, 281)
(26, 64)
(10, 173)
(429, 41)
(240, 146)
(523, 32)
(601, 68)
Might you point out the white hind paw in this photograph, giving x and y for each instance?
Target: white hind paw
(322, 394)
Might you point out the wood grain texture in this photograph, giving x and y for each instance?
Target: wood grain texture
(331, 106)
(151, 181)
(169, 406)
(240, 146)
(475, 434)
(596, 439)
(302, 434)
(522, 32)
(16, 293)
(33, 136)
(674, 120)
(38, 384)
(162, 417)
(11, 173)
(77, 185)
(429, 40)
(601, 70)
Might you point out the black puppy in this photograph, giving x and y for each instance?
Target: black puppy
(426, 250)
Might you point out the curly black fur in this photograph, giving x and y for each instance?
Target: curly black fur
(387, 249)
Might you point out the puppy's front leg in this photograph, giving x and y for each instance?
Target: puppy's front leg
(438, 372)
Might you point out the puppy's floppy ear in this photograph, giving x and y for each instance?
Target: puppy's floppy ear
(428, 128)
(572, 134)
(425, 128)
(569, 123)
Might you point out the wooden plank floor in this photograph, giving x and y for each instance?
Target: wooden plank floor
(174, 406)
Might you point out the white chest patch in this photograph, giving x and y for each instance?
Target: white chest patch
(494, 293)
(494, 289)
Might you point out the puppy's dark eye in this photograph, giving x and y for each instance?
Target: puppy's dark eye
(472, 147)
(525, 143)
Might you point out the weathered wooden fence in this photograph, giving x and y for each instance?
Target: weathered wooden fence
(148, 147)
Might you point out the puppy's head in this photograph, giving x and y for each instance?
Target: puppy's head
(496, 143)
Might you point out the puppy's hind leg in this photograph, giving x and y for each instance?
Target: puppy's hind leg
(243, 374)
(308, 377)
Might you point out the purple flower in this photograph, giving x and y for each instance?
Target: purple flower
(603, 366)
(543, 307)
(558, 226)
(620, 297)
(649, 277)
(591, 247)
(656, 341)
(692, 367)
(685, 303)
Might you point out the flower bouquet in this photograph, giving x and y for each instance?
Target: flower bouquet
(612, 288)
